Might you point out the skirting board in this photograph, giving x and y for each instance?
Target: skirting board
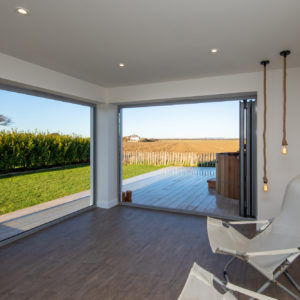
(108, 204)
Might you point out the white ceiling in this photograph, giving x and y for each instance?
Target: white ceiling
(159, 40)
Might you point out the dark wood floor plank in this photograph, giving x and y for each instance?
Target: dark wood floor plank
(121, 253)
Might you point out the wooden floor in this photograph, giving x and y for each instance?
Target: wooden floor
(183, 188)
(122, 253)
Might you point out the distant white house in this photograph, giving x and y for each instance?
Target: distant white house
(134, 138)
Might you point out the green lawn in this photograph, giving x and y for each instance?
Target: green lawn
(23, 190)
(27, 189)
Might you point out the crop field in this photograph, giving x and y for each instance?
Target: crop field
(195, 146)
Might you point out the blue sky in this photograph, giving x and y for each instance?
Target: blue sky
(202, 120)
(205, 120)
(29, 113)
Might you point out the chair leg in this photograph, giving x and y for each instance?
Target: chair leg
(226, 267)
(268, 283)
(292, 280)
(263, 287)
(286, 290)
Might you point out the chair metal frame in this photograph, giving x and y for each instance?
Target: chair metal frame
(229, 287)
(282, 269)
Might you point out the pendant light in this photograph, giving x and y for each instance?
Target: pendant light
(284, 150)
(265, 179)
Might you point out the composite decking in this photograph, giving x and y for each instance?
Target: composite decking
(178, 188)
(119, 254)
(181, 188)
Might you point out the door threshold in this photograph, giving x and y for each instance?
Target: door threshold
(184, 211)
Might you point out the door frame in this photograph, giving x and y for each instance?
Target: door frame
(234, 97)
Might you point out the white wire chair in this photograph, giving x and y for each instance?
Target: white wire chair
(273, 250)
(200, 286)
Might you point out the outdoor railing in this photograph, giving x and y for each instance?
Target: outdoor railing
(205, 159)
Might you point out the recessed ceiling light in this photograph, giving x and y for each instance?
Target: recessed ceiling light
(214, 50)
(122, 65)
(22, 11)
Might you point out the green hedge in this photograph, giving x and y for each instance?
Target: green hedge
(27, 150)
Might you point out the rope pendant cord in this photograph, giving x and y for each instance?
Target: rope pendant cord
(265, 125)
(284, 140)
(265, 178)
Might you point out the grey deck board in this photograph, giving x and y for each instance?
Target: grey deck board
(23, 223)
(182, 188)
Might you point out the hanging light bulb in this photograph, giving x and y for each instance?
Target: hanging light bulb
(284, 140)
(265, 178)
(284, 149)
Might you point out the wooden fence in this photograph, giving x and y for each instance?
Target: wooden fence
(169, 158)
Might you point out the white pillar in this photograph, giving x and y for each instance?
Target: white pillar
(107, 155)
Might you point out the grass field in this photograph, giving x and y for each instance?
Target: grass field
(24, 190)
(196, 146)
(35, 187)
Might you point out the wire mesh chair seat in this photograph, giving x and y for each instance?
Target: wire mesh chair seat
(200, 285)
(270, 252)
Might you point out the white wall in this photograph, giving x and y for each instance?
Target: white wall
(107, 151)
(23, 74)
(280, 168)
(195, 88)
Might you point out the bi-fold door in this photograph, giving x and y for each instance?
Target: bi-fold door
(248, 158)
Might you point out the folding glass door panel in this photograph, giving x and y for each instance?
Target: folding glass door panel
(248, 158)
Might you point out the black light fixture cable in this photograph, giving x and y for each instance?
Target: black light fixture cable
(265, 178)
(284, 143)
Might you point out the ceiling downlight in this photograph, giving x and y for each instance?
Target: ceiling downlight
(22, 11)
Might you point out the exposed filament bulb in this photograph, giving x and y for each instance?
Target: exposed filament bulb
(284, 150)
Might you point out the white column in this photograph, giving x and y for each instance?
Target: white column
(107, 155)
